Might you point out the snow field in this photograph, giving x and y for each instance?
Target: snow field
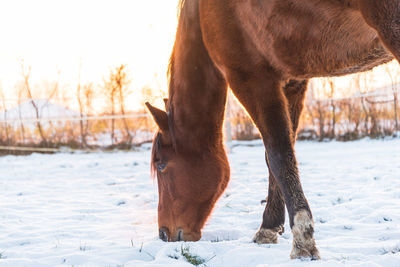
(100, 209)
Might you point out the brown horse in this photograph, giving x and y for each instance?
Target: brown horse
(265, 51)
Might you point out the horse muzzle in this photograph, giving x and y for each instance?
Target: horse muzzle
(179, 235)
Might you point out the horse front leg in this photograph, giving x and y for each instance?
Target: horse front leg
(274, 213)
(261, 93)
(384, 17)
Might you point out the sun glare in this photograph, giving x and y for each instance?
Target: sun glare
(60, 39)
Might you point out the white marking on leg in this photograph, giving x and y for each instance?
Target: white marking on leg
(303, 240)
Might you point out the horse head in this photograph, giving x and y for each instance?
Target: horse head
(189, 182)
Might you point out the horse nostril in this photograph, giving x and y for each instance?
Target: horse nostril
(163, 234)
(180, 235)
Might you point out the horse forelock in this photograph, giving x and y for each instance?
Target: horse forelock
(154, 150)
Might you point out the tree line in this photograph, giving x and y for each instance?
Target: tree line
(116, 126)
(326, 115)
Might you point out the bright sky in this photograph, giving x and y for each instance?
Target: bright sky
(60, 35)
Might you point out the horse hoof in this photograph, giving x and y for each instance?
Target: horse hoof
(267, 236)
(302, 253)
(304, 246)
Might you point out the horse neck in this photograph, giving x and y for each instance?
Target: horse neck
(197, 106)
(197, 90)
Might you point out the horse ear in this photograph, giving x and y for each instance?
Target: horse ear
(166, 103)
(159, 116)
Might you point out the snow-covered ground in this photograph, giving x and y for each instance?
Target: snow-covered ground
(100, 209)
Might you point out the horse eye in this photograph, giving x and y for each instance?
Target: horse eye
(161, 166)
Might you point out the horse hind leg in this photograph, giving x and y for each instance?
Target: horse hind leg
(274, 213)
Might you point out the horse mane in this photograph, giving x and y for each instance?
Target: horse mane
(180, 6)
(170, 74)
(182, 28)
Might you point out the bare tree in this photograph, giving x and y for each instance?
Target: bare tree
(51, 89)
(26, 76)
(84, 95)
(393, 72)
(321, 119)
(80, 104)
(116, 90)
(121, 82)
(357, 80)
(329, 86)
(20, 92)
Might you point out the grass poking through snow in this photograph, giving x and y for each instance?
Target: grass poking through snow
(190, 257)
